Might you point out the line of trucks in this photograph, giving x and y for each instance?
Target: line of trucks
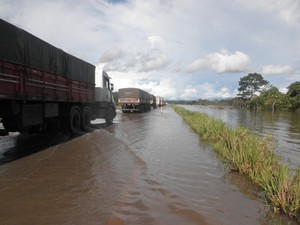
(43, 87)
(138, 100)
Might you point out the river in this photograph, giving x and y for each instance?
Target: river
(146, 168)
(283, 126)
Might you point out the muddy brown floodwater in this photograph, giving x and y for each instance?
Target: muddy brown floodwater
(144, 169)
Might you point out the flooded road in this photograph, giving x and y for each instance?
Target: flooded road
(144, 169)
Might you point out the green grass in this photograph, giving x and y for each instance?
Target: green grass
(244, 152)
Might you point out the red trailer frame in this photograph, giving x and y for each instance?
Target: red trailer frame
(23, 83)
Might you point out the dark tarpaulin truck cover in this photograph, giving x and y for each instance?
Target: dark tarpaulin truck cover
(20, 47)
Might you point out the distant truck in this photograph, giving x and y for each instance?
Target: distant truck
(134, 100)
(160, 101)
(44, 87)
(153, 101)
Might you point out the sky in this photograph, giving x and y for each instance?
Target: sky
(180, 50)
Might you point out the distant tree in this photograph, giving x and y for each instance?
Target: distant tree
(255, 103)
(270, 98)
(237, 102)
(294, 94)
(251, 84)
(294, 89)
(203, 102)
(273, 98)
(295, 103)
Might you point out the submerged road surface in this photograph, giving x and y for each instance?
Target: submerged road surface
(144, 169)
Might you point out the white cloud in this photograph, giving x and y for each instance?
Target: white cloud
(154, 44)
(221, 62)
(287, 11)
(118, 60)
(165, 88)
(111, 55)
(190, 93)
(283, 90)
(271, 69)
(209, 91)
(154, 63)
(204, 91)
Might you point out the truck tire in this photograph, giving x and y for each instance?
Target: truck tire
(110, 115)
(10, 123)
(86, 118)
(74, 120)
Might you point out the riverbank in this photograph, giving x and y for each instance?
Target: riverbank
(244, 152)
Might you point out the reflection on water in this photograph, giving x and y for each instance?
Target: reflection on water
(83, 181)
(284, 126)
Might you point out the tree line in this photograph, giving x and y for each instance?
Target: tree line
(255, 92)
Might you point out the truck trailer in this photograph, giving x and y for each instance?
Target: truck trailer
(160, 101)
(42, 86)
(153, 101)
(134, 100)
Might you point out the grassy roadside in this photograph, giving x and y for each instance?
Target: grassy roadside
(244, 152)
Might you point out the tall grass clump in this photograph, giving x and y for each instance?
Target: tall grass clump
(244, 152)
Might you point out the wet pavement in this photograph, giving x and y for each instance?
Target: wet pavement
(144, 169)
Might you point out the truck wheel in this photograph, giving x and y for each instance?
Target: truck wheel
(86, 118)
(74, 120)
(10, 123)
(108, 121)
(110, 116)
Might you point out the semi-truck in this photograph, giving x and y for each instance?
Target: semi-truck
(44, 87)
(160, 101)
(153, 101)
(134, 100)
